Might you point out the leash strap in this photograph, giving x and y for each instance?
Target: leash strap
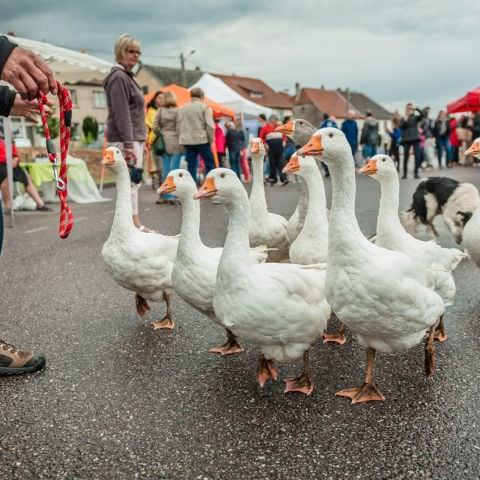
(60, 169)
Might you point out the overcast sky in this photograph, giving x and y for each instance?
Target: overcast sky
(420, 50)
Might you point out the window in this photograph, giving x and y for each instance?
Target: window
(256, 95)
(99, 100)
(73, 94)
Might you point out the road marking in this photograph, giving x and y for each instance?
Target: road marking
(108, 212)
(39, 229)
(146, 209)
(80, 219)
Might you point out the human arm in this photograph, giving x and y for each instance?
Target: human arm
(25, 70)
(209, 124)
(118, 97)
(157, 122)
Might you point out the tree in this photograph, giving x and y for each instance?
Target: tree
(53, 126)
(90, 129)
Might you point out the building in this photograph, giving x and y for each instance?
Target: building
(152, 77)
(88, 97)
(257, 91)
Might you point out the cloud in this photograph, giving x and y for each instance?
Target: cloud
(421, 50)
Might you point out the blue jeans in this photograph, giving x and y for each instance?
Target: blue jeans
(235, 162)
(369, 151)
(170, 162)
(442, 145)
(192, 152)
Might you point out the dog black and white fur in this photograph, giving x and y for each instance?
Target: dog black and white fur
(444, 196)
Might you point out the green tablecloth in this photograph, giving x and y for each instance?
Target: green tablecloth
(42, 172)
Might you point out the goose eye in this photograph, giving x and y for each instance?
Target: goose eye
(180, 174)
(222, 175)
(384, 159)
(330, 135)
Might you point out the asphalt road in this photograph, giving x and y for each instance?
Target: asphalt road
(119, 401)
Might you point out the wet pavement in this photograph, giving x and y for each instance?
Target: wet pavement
(119, 401)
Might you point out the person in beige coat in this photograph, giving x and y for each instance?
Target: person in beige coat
(196, 131)
(165, 124)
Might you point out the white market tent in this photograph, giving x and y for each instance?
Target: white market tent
(63, 62)
(218, 91)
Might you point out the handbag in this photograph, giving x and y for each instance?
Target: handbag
(159, 145)
(136, 174)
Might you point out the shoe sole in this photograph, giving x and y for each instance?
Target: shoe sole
(37, 365)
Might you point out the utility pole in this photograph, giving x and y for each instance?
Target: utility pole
(183, 73)
(183, 76)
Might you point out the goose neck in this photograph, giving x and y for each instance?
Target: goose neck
(190, 229)
(388, 220)
(316, 220)
(257, 195)
(122, 220)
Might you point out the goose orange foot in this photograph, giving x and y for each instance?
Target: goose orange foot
(301, 384)
(368, 392)
(440, 335)
(164, 324)
(337, 338)
(142, 305)
(266, 371)
(228, 348)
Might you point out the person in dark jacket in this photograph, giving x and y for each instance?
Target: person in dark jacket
(411, 137)
(273, 141)
(28, 74)
(441, 132)
(395, 135)
(350, 129)
(126, 110)
(235, 139)
(370, 137)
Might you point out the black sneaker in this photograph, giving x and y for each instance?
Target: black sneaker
(43, 208)
(285, 182)
(16, 362)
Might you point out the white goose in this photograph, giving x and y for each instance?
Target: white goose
(392, 235)
(265, 228)
(383, 297)
(300, 131)
(195, 268)
(311, 245)
(471, 231)
(138, 261)
(279, 306)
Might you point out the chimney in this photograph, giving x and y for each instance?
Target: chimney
(322, 87)
(297, 90)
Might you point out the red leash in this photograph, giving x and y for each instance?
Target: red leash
(60, 177)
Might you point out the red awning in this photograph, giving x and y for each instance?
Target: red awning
(470, 102)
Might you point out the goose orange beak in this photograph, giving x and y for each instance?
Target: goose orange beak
(168, 186)
(286, 128)
(292, 166)
(313, 148)
(370, 168)
(473, 149)
(255, 147)
(207, 190)
(108, 158)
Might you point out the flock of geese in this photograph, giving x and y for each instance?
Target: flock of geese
(390, 294)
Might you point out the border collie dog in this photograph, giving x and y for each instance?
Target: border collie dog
(453, 200)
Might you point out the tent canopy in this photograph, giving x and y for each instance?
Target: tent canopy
(470, 102)
(217, 90)
(62, 60)
(183, 97)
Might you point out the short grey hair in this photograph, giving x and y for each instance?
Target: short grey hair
(124, 43)
(197, 92)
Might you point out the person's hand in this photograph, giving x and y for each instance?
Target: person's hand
(27, 108)
(15, 161)
(129, 155)
(28, 74)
